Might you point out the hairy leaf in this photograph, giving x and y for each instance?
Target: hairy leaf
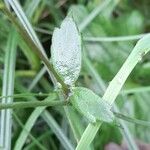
(66, 51)
(91, 105)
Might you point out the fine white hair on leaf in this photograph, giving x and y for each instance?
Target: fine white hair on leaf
(66, 51)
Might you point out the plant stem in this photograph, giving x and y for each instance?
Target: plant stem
(136, 90)
(28, 95)
(18, 105)
(114, 39)
(132, 120)
(126, 133)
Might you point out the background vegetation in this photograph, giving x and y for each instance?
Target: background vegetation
(109, 30)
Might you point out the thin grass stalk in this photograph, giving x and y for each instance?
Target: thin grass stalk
(25, 95)
(132, 120)
(114, 39)
(37, 78)
(46, 103)
(42, 137)
(52, 123)
(8, 89)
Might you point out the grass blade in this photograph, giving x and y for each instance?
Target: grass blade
(31, 7)
(51, 123)
(142, 47)
(132, 120)
(126, 133)
(8, 89)
(93, 14)
(27, 132)
(18, 105)
(28, 126)
(26, 24)
(37, 78)
(114, 39)
(29, 146)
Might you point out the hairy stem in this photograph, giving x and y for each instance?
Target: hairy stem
(18, 105)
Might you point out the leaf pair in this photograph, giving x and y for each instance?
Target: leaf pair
(66, 59)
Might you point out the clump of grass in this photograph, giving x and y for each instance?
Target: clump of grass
(70, 101)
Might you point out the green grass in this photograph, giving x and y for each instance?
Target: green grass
(110, 30)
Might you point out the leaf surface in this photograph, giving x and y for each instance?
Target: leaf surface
(91, 105)
(66, 51)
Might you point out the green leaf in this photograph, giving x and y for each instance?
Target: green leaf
(66, 51)
(91, 105)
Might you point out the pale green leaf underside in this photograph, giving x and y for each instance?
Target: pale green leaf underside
(91, 105)
(66, 51)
